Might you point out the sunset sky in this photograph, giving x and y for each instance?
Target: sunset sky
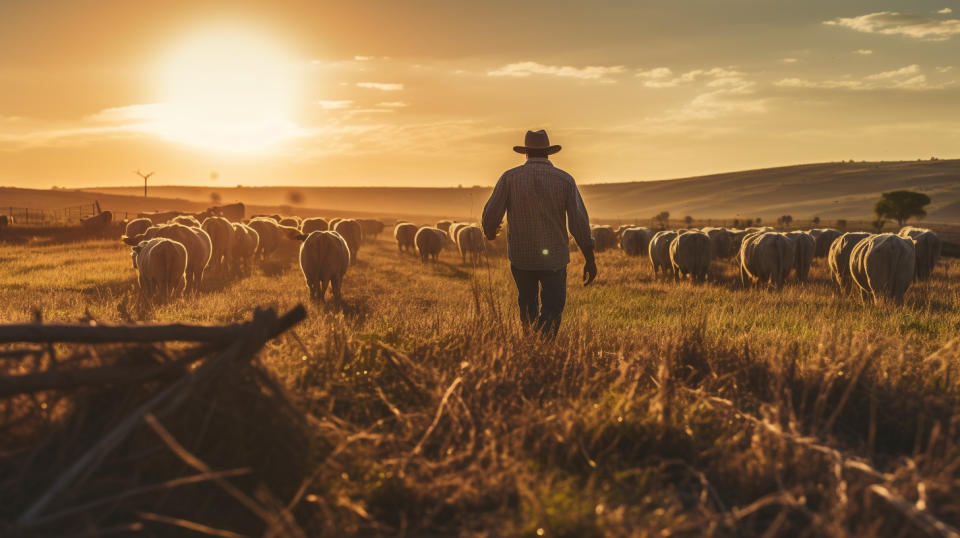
(435, 93)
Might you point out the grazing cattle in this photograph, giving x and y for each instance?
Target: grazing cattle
(736, 239)
(195, 240)
(722, 241)
(268, 231)
(371, 228)
(429, 243)
(805, 245)
(604, 238)
(634, 241)
(351, 232)
(838, 258)
(333, 222)
(405, 234)
(622, 228)
(927, 246)
(246, 241)
(161, 264)
(452, 231)
(277, 243)
(97, 222)
(136, 227)
(186, 220)
(659, 250)
(823, 239)
(222, 236)
(883, 265)
(293, 222)
(161, 217)
(469, 241)
(324, 260)
(444, 225)
(232, 212)
(690, 254)
(766, 257)
(314, 224)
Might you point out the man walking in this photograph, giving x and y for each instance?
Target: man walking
(540, 201)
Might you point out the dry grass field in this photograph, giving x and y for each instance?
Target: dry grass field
(662, 408)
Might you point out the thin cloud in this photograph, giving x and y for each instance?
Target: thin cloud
(789, 60)
(896, 73)
(905, 78)
(893, 23)
(944, 68)
(945, 11)
(382, 86)
(597, 73)
(664, 77)
(363, 58)
(335, 104)
(724, 92)
(863, 52)
(393, 104)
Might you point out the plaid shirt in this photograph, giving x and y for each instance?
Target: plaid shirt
(540, 202)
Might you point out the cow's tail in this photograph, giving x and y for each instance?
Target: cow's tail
(781, 257)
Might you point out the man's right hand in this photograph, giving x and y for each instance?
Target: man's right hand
(496, 233)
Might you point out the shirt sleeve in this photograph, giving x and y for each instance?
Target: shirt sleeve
(494, 209)
(577, 219)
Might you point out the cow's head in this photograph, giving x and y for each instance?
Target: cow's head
(132, 241)
(135, 253)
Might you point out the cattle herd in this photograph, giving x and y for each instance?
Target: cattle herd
(172, 250)
(429, 241)
(876, 265)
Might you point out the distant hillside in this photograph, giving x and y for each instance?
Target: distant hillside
(829, 190)
(55, 199)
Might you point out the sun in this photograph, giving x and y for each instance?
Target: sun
(227, 89)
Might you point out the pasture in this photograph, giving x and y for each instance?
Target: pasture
(663, 408)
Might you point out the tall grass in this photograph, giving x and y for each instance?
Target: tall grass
(662, 407)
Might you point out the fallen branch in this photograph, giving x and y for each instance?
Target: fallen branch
(169, 484)
(42, 333)
(920, 518)
(190, 525)
(264, 326)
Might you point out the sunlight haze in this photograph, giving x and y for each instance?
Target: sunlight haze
(436, 93)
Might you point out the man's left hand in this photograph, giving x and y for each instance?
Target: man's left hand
(589, 272)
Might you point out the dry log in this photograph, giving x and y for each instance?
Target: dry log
(264, 326)
(106, 334)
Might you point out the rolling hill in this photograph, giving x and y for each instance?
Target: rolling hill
(829, 190)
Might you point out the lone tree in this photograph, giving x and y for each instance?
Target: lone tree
(815, 221)
(689, 220)
(901, 205)
(663, 218)
(878, 225)
(145, 178)
(784, 221)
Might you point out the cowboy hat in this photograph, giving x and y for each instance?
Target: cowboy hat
(537, 140)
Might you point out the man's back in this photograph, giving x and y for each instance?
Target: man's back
(539, 200)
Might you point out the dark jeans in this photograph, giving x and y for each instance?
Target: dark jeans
(541, 296)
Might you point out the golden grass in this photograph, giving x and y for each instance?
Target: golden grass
(657, 408)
